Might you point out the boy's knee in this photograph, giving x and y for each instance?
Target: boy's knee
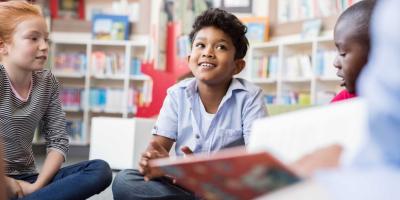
(126, 178)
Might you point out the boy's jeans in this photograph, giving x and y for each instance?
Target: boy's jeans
(129, 184)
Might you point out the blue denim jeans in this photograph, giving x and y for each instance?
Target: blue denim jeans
(78, 181)
(129, 184)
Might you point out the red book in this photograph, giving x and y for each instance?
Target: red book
(228, 174)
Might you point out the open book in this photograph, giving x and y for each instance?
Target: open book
(292, 135)
(228, 174)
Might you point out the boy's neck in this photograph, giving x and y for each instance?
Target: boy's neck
(212, 95)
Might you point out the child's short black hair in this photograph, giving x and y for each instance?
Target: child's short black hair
(359, 15)
(226, 22)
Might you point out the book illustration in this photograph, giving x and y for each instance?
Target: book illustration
(228, 174)
(257, 29)
(110, 27)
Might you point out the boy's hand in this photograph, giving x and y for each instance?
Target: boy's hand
(186, 150)
(154, 151)
(13, 188)
(28, 188)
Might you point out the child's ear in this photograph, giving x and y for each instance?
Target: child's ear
(3, 48)
(188, 58)
(239, 66)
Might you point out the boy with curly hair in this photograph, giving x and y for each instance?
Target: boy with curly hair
(203, 114)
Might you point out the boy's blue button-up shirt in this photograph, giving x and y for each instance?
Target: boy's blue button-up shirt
(180, 117)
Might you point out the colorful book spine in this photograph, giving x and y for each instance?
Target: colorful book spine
(71, 98)
(75, 130)
(70, 62)
(107, 63)
(324, 64)
(265, 66)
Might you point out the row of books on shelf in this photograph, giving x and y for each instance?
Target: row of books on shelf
(324, 64)
(298, 66)
(112, 99)
(299, 98)
(294, 10)
(103, 63)
(265, 66)
(270, 99)
(67, 62)
(106, 99)
(75, 130)
(72, 98)
(107, 63)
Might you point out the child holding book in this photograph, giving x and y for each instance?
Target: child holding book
(29, 95)
(352, 40)
(203, 114)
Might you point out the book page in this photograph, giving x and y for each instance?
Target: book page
(292, 135)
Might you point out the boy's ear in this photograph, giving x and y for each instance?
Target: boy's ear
(188, 58)
(239, 66)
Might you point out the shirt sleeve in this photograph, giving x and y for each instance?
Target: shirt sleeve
(255, 109)
(54, 124)
(167, 121)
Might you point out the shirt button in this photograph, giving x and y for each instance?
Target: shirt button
(197, 136)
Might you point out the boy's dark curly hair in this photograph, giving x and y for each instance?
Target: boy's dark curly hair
(226, 22)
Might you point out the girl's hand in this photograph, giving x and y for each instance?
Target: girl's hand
(13, 188)
(28, 188)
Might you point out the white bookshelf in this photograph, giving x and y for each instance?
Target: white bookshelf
(88, 79)
(307, 79)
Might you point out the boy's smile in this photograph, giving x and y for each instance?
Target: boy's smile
(212, 59)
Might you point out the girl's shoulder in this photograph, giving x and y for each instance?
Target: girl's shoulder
(44, 75)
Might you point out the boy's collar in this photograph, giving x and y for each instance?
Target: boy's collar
(190, 86)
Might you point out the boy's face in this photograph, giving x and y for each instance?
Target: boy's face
(212, 59)
(352, 55)
(29, 46)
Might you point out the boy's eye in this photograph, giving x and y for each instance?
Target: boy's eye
(34, 38)
(221, 47)
(342, 54)
(199, 45)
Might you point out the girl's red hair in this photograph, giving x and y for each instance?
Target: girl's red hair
(13, 13)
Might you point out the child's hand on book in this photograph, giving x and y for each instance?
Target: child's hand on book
(323, 158)
(154, 151)
(186, 150)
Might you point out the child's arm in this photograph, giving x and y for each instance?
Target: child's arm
(51, 166)
(159, 147)
(323, 158)
(12, 188)
(9, 187)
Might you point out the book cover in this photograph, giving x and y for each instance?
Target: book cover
(257, 29)
(110, 27)
(228, 174)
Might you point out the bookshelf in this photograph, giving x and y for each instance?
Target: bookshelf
(98, 78)
(294, 71)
